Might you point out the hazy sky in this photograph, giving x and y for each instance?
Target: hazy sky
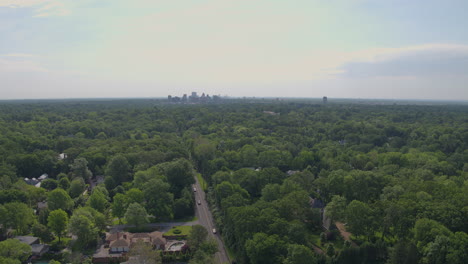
(414, 49)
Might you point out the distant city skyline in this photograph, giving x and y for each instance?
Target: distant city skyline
(394, 49)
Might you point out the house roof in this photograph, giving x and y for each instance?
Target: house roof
(41, 205)
(158, 238)
(119, 243)
(140, 235)
(159, 241)
(316, 203)
(38, 249)
(28, 239)
(111, 237)
(126, 239)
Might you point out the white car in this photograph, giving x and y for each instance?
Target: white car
(198, 202)
(194, 189)
(214, 230)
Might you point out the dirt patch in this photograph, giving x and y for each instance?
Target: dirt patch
(345, 234)
(317, 250)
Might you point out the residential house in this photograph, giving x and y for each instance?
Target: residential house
(123, 241)
(319, 204)
(36, 182)
(30, 240)
(37, 249)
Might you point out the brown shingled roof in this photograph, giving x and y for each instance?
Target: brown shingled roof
(158, 238)
(119, 243)
(140, 235)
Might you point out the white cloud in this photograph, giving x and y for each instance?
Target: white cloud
(42, 8)
(18, 62)
(414, 61)
(22, 3)
(20, 55)
(211, 42)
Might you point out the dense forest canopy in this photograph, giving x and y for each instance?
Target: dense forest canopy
(395, 176)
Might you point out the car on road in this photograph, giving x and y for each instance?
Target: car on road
(214, 230)
(198, 202)
(194, 189)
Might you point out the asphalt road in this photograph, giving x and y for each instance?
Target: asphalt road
(206, 219)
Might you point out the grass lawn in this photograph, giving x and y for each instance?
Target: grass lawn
(315, 239)
(179, 231)
(338, 244)
(388, 238)
(202, 181)
(115, 221)
(64, 242)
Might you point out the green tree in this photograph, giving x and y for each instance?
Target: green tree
(296, 232)
(119, 205)
(457, 253)
(7, 175)
(330, 250)
(249, 156)
(98, 201)
(84, 228)
(197, 236)
(271, 192)
(143, 176)
(42, 232)
(77, 187)
(226, 189)
(118, 168)
(360, 218)
(294, 205)
(99, 220)
(18, 216)
(57, 222)
(13, 249)
(135, 195)
(275, 158)
(209, 247)
(300, 254)
(265, 249)
(336, 208)
(179, 174)
(136, 215)
(426, 231)
(201, 257)
(203, 152)
(159, 201)
(184, 205)
(437, 250)
(64, 183)
(304, 159)
(59, 199)
(363, 185)
(4, 260)
(79, 169)
(220, 176)
(49, 184)
(142, 252)
(109, 182)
